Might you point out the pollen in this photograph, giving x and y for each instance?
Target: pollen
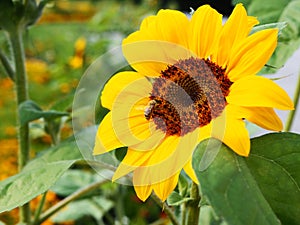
(187, 95)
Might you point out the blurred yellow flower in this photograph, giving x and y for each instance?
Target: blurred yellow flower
(65, 88)
(77, 60)
(37, 71)
(194, 79)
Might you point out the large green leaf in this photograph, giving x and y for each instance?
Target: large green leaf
(272, 11)
(231, 189)
(38, 175)
(272, 169)
(275, 164)
(21, 188)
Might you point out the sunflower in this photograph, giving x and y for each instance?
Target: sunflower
(194, 79)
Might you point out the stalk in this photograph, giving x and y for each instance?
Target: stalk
(166, 209)
(193, 206)
(6, 64)
(292, 113)
(77, 194)
(16, 40)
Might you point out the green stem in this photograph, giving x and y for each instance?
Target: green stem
(166, 209)
(193, 206)
(22, 92)
(183, 214)
(292, 113)
(16, 39)
(69, 199)
(6, 64)
(40, 208)
(119, 208)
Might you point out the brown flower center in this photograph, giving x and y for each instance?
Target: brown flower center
(187, 95)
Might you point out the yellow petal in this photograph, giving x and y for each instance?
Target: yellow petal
(139, 135)
(106, 139)
(173, 156)
(232, 131)
(139, 176)
(126, 124)
(256, 91)
(160, 165)
(143, 192)
(131, 161)
(167, 159)
(261, 116)
(164, 188)
(264, 117)
(252, 54)
(147, 24)
(145, 62)
(205, 132)
(168, 25)
(164, 150)
(204, 29)
(127, 84)
(162, 39)
(143, 162)
(237, 137)
(235, 30)
(190, 171)
(131, 126)
(157, 56)
(128, 119)
(252, 21)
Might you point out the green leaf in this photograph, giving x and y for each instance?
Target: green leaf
(231, 189)
(95, 207)
(209, 155)
(65, 151)
(208, 217)
(281, 11)
(175, 199)
(279, 25)
(21, 188)
(290, 15)
(71, 181)
(74, 179)
(38, 175)
(30, 111)
(183, 185)
(275, 164)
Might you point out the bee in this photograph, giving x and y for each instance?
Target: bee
(149, 109)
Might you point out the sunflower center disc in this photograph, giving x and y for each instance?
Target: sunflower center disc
(187, 95)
